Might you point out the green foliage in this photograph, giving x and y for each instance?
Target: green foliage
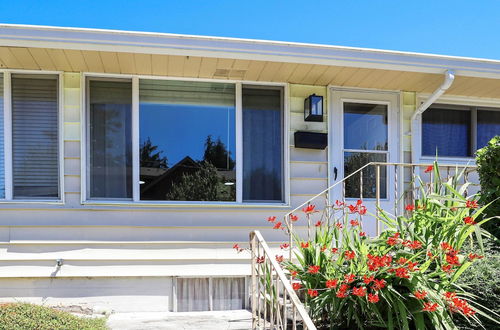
(20, 316)
(488, 163)
(419, 259)
(152, 157)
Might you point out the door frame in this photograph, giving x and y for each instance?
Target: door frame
(336, 129)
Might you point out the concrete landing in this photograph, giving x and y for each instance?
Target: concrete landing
(220, 320)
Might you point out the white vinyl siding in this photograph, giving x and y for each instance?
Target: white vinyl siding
(35, 146)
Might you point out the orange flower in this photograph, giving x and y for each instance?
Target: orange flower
(410, 207)
(312, 293)
(471, 204)
(447, 268)
(452, 259)
(304, 245)
(317, 224)
(473, 256)
(349, 278)
(429, 169)
(412, 266)
(293, 273)
(339, 203)
(415, 245)
(260, 260)
(362, 210)
(430, 307)
(402, 261)
(309, 209)
(335, 250)
(279, 258)
(339, 225)
(402, 272)
(359, 291)
(313, 269)
(342, 292)
(420, 294)
(284, 246)
(394, 239)
(373, 298)
(469, 221)
(296, 286)
(294, 217)
(378, 284)
(271, 219)
(446, 246)
(362, 234)
(323, 248)
(278, 225)
(354, 223)
(330, 284)
(449, 295)
(349, 255)
(237, 248)
(367, 279)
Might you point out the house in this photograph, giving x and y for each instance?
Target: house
(103, 134)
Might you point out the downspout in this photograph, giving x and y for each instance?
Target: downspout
(449, 77)
(448, 80)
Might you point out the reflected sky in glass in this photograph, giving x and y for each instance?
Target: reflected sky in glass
(365, 126)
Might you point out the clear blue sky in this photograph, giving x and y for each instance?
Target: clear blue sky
(451, 27)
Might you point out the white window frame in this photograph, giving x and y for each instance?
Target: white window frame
(135, 201)
(473, 103)
(9, 198)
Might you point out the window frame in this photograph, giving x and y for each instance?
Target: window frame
(457, 103)
(7, 116)
(136, 201)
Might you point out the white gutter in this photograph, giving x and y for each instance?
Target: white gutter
(448, 80)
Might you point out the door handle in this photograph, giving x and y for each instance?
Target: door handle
(335, 172)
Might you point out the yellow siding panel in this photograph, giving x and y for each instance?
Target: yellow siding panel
(25, 58)
(110, 62)
(192, 66)
(285, 72)
(159, 65)
(76, 60)
(176, 65)
(207, 68)
(93, 61)
(72, 131)
(59, 58)
(42, 58)
(127, 63)
(143, 63)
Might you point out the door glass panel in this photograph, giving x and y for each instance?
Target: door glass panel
(355, 160)
(365, 126)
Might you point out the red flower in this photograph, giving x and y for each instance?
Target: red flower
(260, 260)
(294, 217)
(359, 291)
(293, 273)
(278, 225)
(313, 269)
(296, 286)
(447, 268)
(378, 284)
(473, 256)
(367, 279)
(349, 278)
(284, 246)
(412, 266)
(342, 292)
(402, 272)
(429, 254)
(420, 294)
(323, 248)
(471, 204)
(339, 203)
(339, 225)
(430, 307)
(449, 295)
(362, 234)
(353, 208)
(271, 219)
(429, 169)
(469, 221)
(304, 245)
(375, 262)
(460, 305)
(349, 255)
(446, 246)
(415, 245)
(373, 298)
(362, 210)
(410, 207)
(279, 258)
(330, 284)
(452, 260)
(359, 202)
(318, 224)
(312, 293)
(354, 223)
(402, 261)
(309, 209)
(237, 248)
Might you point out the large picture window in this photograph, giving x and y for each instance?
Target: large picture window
(187, 147)
(457, 131)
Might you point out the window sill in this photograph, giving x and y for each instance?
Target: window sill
(449, 160)
(31, 201)
(185, 205)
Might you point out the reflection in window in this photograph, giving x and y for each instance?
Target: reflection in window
(187, 141)
(365, 126)
(262, 144)
(446, 132)
(35, 138)
(110, 110)
(488, 126)
(354, 161)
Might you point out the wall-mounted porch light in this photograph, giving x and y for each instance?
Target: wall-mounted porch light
(313, 108)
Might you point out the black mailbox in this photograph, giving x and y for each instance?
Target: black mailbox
(310, 140)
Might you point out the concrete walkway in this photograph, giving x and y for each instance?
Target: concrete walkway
(239, 319)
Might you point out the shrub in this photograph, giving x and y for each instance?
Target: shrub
(488, 163)
(20, 316)
(405, 278)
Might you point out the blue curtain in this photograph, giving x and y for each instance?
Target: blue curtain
(446, 132)
(488, 125)
(262, 145)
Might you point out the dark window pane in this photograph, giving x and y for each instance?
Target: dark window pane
(355, 160)
(2, 167)
(262, 145)
(35, 145)
(488, 125)
(446, 132)
(187, 141)
(365, 126)
(110, 139)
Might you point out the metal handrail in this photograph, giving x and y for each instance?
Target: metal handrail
(278, 318)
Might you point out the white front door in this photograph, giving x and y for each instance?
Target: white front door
(364, 128)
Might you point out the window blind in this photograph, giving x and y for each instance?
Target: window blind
(2, 163)
(35, 159)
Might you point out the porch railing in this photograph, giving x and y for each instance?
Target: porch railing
(275, 305)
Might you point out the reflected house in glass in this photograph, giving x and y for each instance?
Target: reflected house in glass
(139, 159)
